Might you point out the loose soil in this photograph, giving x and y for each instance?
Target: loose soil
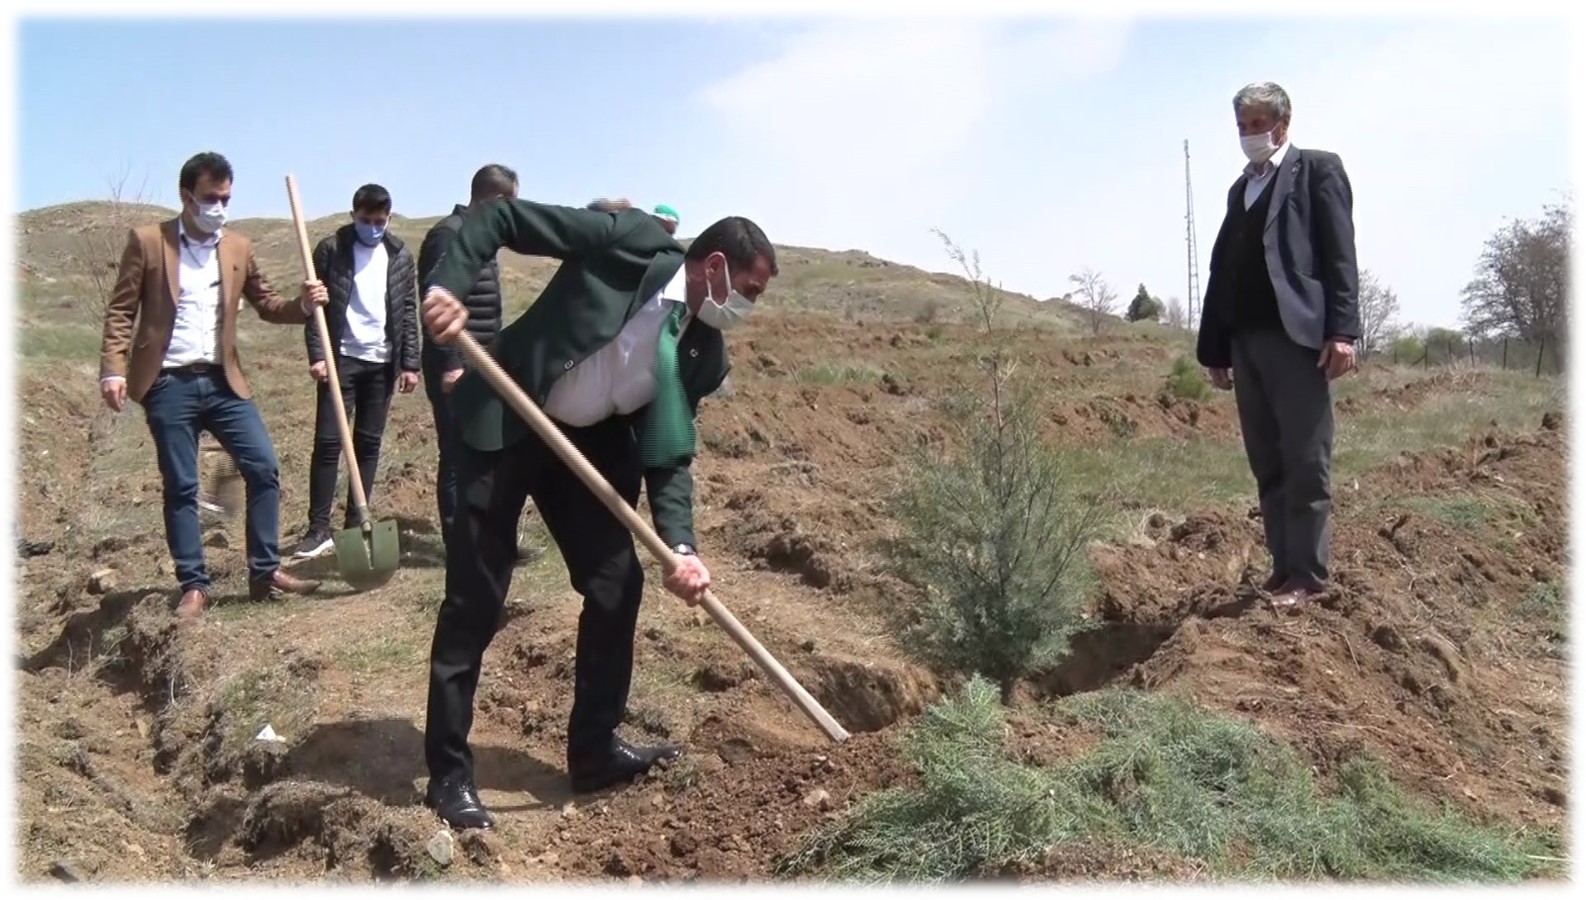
(137, 750)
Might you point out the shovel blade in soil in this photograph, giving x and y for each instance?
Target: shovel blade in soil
(367, 563)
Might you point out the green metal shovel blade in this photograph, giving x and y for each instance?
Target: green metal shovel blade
(367, 562)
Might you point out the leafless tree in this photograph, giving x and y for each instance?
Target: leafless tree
(1521, 286)
(1379, 314)
(99, 243)
(1175, 313)
(1095, 297)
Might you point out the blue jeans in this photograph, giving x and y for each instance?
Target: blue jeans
(179, 405)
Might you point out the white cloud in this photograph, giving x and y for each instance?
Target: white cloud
(1034, 143)
(1444, 129)
(871, 123)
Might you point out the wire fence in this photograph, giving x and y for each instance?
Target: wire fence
(1540, 357)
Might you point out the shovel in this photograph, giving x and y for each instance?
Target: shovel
(367, 556)
(553, 438)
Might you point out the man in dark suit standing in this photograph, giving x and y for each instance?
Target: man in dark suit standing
(618, 350)
(441, 365)
(1279, 324)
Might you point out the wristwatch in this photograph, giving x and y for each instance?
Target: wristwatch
(684, 550)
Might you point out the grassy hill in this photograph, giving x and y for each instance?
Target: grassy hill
(56, 241)
(1412, 727)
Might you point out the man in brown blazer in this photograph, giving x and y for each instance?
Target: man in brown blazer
(170, 344)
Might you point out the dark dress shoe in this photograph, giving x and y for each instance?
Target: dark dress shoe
(1274, 582)
(457, 803)
(620, 764)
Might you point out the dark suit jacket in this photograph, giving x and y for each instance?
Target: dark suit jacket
(611, 264)
(333, 264)
(1310, 250)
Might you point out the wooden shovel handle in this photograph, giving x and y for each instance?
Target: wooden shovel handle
(553, 437)
(333, 382)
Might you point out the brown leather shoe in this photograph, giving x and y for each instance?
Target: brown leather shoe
(277, 586)
(193, 603)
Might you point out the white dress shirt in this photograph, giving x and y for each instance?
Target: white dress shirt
(1258, 176)
(619, 377)
(365, 337)
(195, 334)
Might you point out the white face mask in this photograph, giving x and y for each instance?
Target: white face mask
(210, 217)
(723, 316)
(1258, 147)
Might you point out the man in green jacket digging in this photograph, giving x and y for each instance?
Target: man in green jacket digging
(618, 350)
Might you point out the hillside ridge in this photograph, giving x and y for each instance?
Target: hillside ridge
(855, 283)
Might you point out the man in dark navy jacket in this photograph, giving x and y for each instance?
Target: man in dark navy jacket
(1279, 324)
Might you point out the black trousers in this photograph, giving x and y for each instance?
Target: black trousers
(366, 390)
(602, 564)
(446, 444)
(1286, 415)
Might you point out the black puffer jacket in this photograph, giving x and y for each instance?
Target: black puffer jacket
(483, 300)
(333, 264)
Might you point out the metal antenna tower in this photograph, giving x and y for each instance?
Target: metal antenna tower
(1193, 300)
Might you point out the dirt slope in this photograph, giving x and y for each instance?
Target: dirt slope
(1441, 650)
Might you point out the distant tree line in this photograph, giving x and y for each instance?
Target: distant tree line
(1514, 310)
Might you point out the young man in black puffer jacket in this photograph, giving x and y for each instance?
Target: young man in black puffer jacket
(372, 318)
(443, 365)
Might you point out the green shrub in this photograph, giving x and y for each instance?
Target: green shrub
(1166, 775)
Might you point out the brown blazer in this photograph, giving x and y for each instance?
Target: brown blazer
(142, 311)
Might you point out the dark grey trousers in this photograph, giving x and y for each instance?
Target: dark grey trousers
(1286, 414)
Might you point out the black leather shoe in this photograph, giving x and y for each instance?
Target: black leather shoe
(457, 803)
(618, 765)
(1274, 582)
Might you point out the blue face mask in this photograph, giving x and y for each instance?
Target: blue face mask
(369, 235)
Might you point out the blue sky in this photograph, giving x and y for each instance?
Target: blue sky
(1046, 144)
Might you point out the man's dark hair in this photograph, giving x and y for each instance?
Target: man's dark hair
(371, 198)
(207, 163)
(493, 180)
(737, 238)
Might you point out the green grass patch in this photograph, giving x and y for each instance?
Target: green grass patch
(1468, 512)
(1166, 775)
(64, 341)
(278, 696)
(839, 373)
(1164, 473)
(404, 646)
(1548, 603)
(1377, 435)
(1186, 380)
(1472, 511)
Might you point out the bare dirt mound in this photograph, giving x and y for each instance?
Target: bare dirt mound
(1436, 651)
(727, 815)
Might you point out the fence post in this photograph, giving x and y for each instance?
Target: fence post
(1540, 346)
(1506, 354)
(1470, 344)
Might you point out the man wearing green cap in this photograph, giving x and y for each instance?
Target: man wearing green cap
(662, 213)
(667, 216)
(618, 350)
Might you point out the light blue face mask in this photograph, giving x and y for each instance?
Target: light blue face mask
(369, 235)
